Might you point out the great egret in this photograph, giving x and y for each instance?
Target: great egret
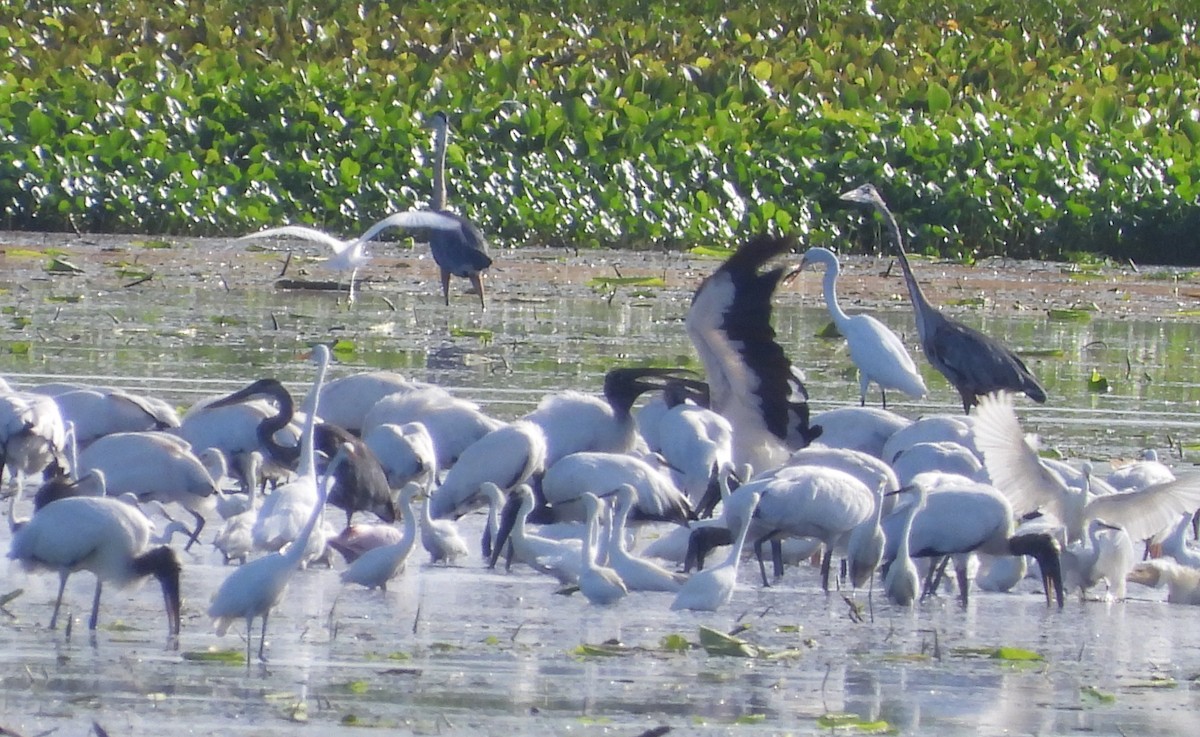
(599, 583)
(377, 566)
(349, 255)
(1017, 471)
(878, 352)
(360, 484)
(751, 382)
(257, 586)
(974, 363)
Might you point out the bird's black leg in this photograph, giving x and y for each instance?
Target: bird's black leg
(196, 532)
(95, 606)
(762, 567)
(262, 639)
(826, 560)
(777, 557)
(883, 393)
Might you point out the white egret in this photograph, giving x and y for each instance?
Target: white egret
(377, 566)
(440, 538)
(637, 573)
(599, 583)
(1107, 556)
(878, 352)
(712, 588)
(257, 586)
(405, 453)
(349, 255)
(1016, 470)
(902, 583)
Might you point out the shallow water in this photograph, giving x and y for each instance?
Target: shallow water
(468, 651)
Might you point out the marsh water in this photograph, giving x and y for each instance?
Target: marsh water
(471, 651)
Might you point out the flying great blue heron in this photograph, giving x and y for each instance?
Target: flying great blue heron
(973, 362)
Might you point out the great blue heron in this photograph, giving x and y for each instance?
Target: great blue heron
(973, 362)
(458, 247)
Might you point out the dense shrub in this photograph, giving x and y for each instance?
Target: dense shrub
(1027, 128)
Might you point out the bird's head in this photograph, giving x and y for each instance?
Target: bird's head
(863, 195)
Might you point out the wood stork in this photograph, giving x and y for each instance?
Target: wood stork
(751, 382)
(965, 517)
(153, 465)
(99, 534)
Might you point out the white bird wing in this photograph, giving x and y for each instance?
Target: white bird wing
(1014, 467)
(299, 231)
(412, 219)
(1150, 511)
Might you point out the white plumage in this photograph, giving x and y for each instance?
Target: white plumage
(878, 352)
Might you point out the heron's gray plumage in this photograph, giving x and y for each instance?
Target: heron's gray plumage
(973, 362)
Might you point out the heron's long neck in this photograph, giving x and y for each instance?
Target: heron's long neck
(832, 269)
(920, 304)
(439, 167)
(739, 540)
(589, 538)
(902, 548)
(307, 467)
(409, 536)
(295, 551)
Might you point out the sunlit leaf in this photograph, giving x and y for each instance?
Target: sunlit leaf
(715, 642)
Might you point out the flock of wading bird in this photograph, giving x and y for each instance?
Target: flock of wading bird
(734, 459)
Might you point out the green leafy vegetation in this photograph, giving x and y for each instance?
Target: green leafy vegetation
(1039, 128)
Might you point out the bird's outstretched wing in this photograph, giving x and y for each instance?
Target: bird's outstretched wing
(412, 219)
(1148, 512)
(299, 231)
(751, 381)
(1013, 465)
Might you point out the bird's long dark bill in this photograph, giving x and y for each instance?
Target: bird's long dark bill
(240, 395)
(508, 518)
(1044, 549)
(701, 542)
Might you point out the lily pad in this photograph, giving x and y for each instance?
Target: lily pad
(715, 642)
(230, 657)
